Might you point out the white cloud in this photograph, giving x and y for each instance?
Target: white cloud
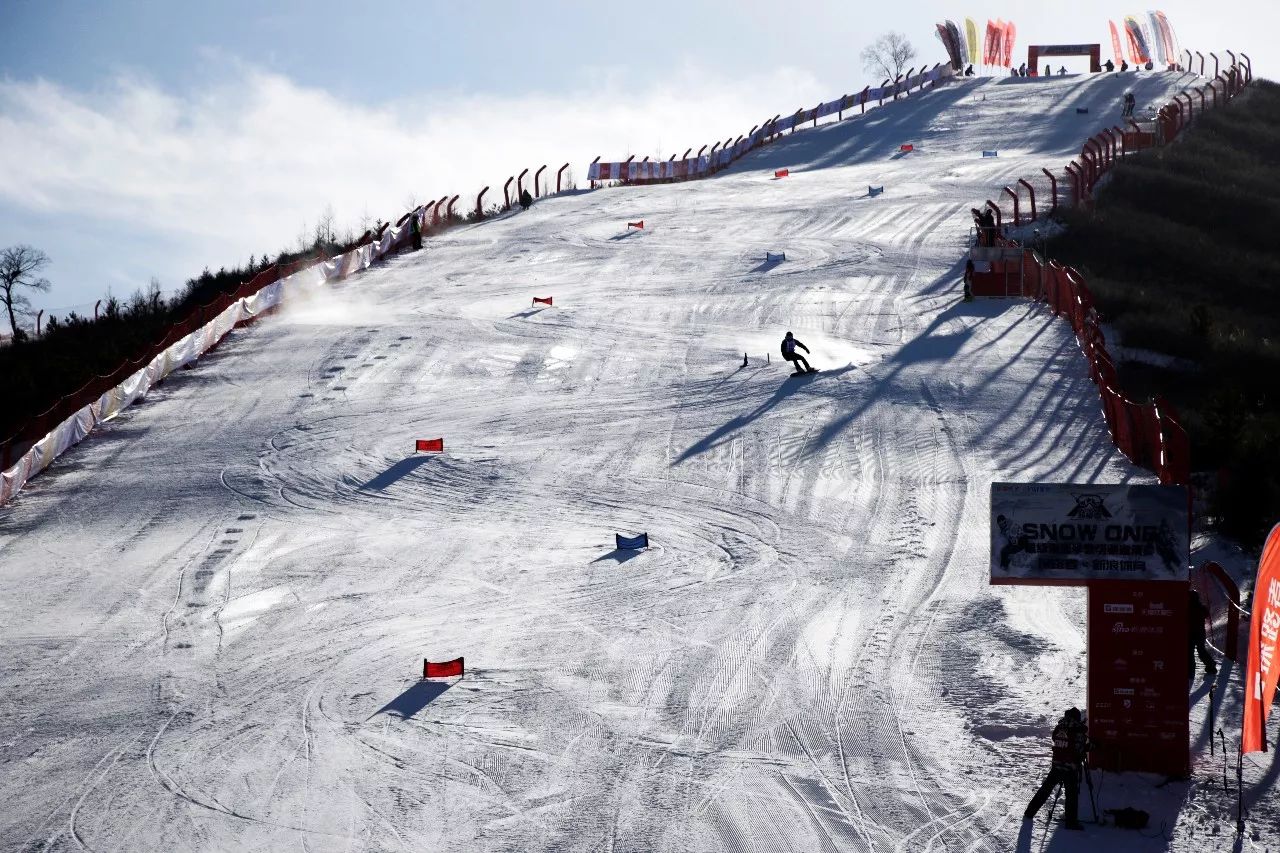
(238, 167)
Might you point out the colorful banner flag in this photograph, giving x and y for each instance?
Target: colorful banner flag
(1010, 34)
(971, 29)
(1264, 628)
(1115, 43)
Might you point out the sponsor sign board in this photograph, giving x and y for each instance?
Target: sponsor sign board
(1073, 534)
(1138, 712)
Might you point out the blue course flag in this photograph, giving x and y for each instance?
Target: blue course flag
(631, 543)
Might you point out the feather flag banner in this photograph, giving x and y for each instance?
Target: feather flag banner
(971, 29)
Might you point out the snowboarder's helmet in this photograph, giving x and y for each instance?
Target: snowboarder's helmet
(788, 334)
(1073, 714)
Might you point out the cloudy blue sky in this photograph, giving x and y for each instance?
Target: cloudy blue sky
(142, 138)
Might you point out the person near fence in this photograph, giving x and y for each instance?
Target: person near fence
(1197, 614)
(526, 200)
(968, 280)
(968, 72)
(1070, 744)
(415, 231)
(988, 228)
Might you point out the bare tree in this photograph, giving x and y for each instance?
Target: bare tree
(18, 266)
(887, 56)
(324, 227)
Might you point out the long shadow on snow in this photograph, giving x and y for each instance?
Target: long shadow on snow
(413, 700)
(401, 469)
(618, 555)
(786, 389)
(926, 346)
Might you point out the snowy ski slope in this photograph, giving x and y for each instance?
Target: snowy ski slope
(213, 612)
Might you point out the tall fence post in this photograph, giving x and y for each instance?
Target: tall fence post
(435, 210)
(1053, 191)
(536, 191)
(883, 84)
(1031, 194)
(506, 193)
(448, 211)
(558, 174)
(910, 71)
(1201, 55)
(1215, 63)
(480, 204)
(1013, 195)
(895, 86)
(520, 183)
(1248, 68)
(862, 99)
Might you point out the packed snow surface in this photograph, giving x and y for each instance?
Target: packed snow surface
(214, 612)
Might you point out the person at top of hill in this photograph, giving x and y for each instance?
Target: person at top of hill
(1124, 66)
(1062, 70)
(1070, 745)
(526, 200)
(789, 344)
(1022, 70)
(968, 72)
(1109, 65)
(1048, 70)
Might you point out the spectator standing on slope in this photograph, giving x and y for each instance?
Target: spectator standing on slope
(526, 200)
(1062, 70)
(1197, 613)
(1109, 65)
(789, 353)
(415, 231)
(1070, 744)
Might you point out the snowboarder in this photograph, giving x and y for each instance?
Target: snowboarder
(1070, 744)
(1124, 66)
(1110, 66)
(968, 280)
(789, 353)
(968, 72)
(1062, 70)
(1197, 613)
(1022, 70)
(526, 200)
(1130, 101)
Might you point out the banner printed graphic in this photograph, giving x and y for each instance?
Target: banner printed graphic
(1072, 533)
(1264, 627)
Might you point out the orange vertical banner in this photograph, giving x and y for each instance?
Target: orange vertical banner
(1264, 628)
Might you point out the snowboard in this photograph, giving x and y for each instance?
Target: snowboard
(803, 372)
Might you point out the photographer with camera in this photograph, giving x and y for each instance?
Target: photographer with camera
(1070, 747)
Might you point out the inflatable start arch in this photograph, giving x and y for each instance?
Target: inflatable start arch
(1035, 51)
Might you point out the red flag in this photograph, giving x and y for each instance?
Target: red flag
(445, 669)
(782, 173)
(1115, 43)
(639, 224)
(1261, 673)
(545, 300)
(430, 444)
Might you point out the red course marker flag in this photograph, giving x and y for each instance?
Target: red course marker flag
(782, 173)
(907, 147)
(444, 669)
(544, 300)
(639, 224)
(1264, 628)
(434, 445)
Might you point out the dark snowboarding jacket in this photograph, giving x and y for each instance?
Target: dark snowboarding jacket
(1070, 742)
(789, 347)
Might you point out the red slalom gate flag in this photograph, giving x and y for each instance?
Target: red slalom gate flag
(435, 445)
(782, 173)
(907, 147)
(639, 224)
(1264, 627)
(543, 300)
(444, 669)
